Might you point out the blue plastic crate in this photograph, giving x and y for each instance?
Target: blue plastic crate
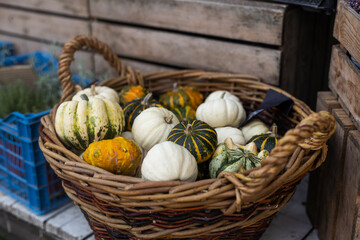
(6, 50)
(24, 173)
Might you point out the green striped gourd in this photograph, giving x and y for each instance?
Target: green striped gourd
(266, 141)
(186, 113)
(197, 137)
(79, 123)
(181, 97)
(133, 108)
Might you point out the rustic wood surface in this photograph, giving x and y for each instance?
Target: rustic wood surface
(77, 8)
(326, 101)
(23, 45)
(102, 68)
(344, 80)
(41, 25)
(15, 73)
(331, 184)
(347, 28)
(190, 51)
(348, 227)
(241, 20)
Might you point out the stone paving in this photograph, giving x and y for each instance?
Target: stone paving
(68, 223)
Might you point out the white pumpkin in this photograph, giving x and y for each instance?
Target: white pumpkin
(221, 113)
(221, 94)
(254, 127)
(169, 161)
(230, 132)
(152, 126)
(102, 92)
(79, 123)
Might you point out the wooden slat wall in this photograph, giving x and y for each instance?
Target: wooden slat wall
(240, 20)
(240, 36)
(41, 25)
(77, 8)
(103, 69)
(190, 51)
(347, 28)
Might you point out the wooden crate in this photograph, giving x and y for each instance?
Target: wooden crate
(348, 216)
(344, 75)
(269, 40)
(347, 28)
(324, 183)
(344, 81)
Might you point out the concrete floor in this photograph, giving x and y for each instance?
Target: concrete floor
(68, 223)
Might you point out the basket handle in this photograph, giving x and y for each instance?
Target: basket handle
(311, 133)
(89, 42)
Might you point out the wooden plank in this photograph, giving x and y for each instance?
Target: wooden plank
(20, 72)
(83, 60)
(331, 183)
(77, 8)
(42, 26)
(344, 80)
(190, 51)
(326, 101)
(242, 20)
(348, 212)
(104, 70)
(347, 28)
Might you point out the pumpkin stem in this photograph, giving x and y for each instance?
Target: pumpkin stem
(274, 130)
(188, 129)
(84, 97)
(93, 90)
(223, 95)
(147, 99)
(168, 119)
(175, 87)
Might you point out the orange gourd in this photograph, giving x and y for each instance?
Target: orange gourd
(119, 155)
(131, 92)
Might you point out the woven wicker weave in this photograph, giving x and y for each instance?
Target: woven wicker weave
(233, 206)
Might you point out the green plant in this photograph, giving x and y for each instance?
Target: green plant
(18, 97)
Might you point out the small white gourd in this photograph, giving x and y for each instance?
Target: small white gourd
(221, 112)
(221, 94)
(254, 127)
(153, 126)
(102, 92)
(230, 132)
(169, 161)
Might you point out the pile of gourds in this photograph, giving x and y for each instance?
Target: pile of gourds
(178, 137)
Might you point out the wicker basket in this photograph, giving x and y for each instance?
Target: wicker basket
(233, 206)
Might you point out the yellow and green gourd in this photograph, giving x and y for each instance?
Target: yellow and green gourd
(79, 123)
(197, 137)
(186, 113)
(135, 107)
(181, 97)
(119, 155)
(131, 92)
(266, 141)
